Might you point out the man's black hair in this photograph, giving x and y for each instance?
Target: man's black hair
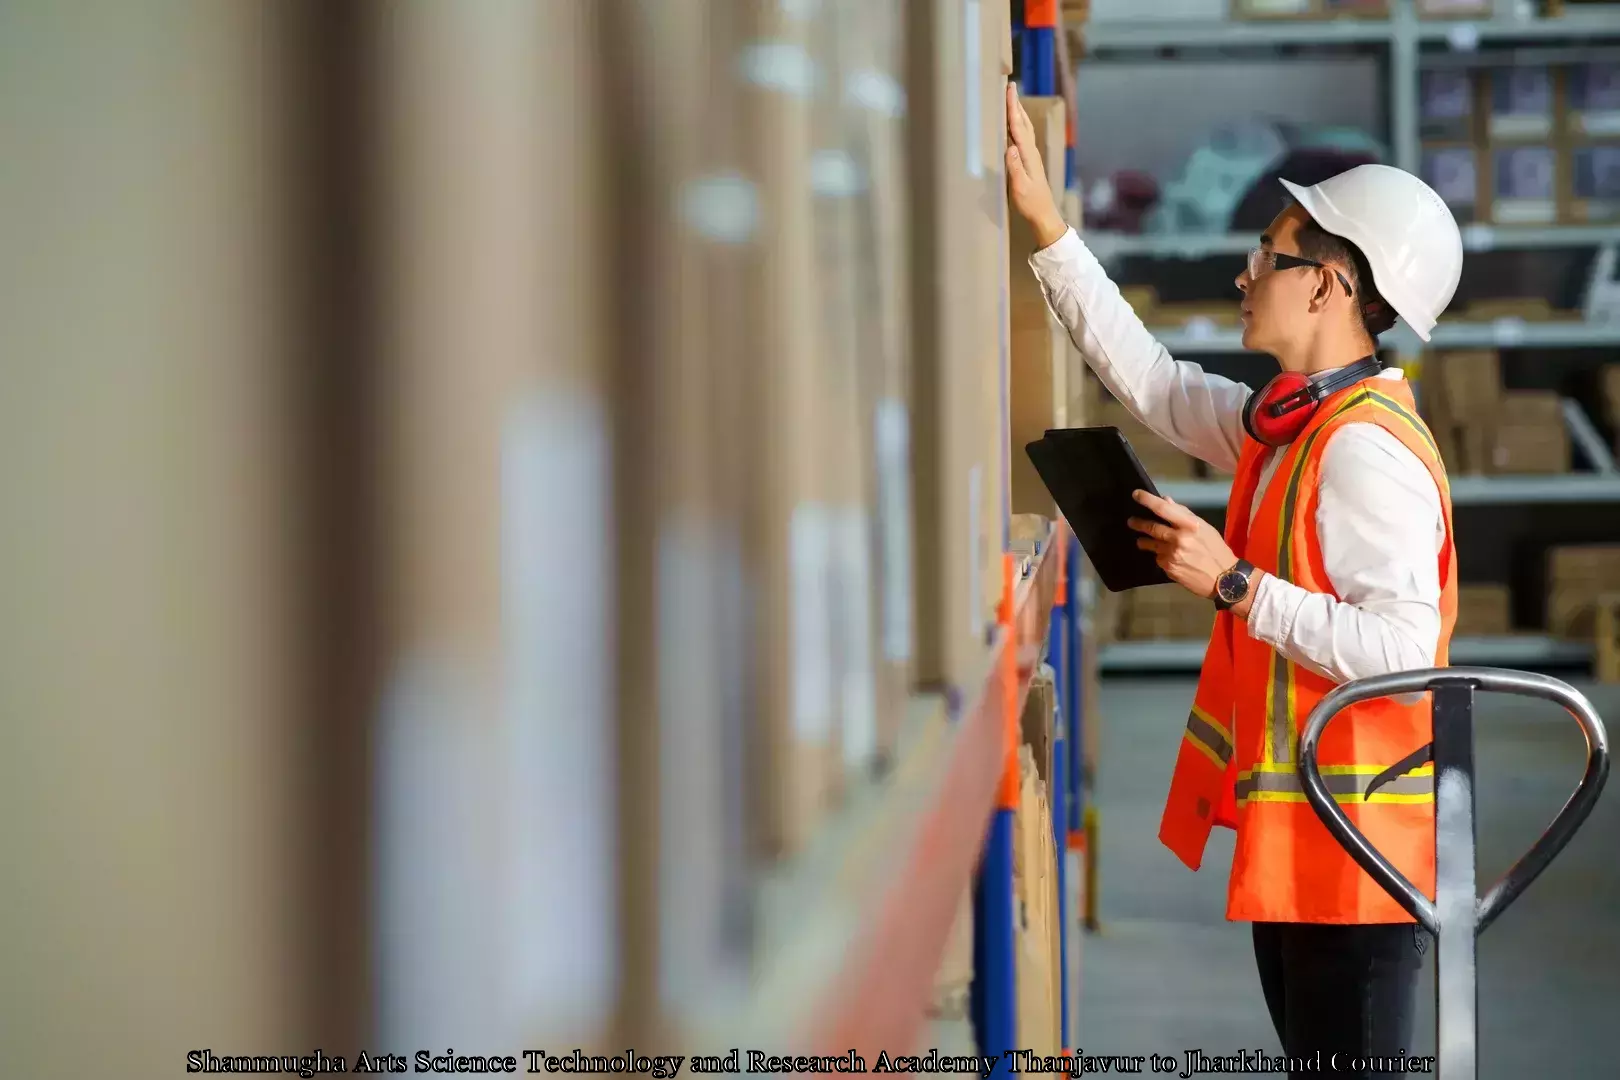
(1317, 244)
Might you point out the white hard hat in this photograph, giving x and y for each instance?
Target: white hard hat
(1402, 226)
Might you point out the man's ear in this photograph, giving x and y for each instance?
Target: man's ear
(1324, 287)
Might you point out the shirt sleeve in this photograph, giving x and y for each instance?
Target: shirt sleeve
(1381, 526)
(1199, 413)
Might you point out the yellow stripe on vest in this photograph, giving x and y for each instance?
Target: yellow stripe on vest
(1209, 737)
(1346, 783)
(1280, 731)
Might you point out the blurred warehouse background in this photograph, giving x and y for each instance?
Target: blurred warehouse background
(515, 530)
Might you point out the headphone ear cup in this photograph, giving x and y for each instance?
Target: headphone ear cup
(1249, 408)
(1276, 431)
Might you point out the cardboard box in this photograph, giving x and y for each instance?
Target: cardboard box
(951, 467)
(1593, 92)
(1530, 435)
(1576, 576)
(1464, 386)
(1592, 179)
(793, 529)
(1040, 346)
(1454, 171)
(1609, 389)
(991, 300)
(1483, 611)
(1453, 9)
(1036, 914)
(1448, 105)
(875, 48)
(1524, 102)
(1524, 185)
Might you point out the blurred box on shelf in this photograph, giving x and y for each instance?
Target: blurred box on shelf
(991, 296)
(1447, 100)
(1523, 102)
(1463, 386)
(1162, 460)
(1453, 9)
(1606, 638)
(1483, 611)
(1038, 721)
(1219, 313)
(1144, 300)
(951, 467)
(1576, 576)
(1040, 347)
(1592, 179)
(1453, 171)
(1530, 435)
(1523, 185)
(1593, 93)
(1035, 913)
(1609, 391)
(1166, 613)
(1309, 9)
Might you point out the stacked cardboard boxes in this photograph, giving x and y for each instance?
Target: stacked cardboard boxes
(1482, 428)
(1161, 459)
(1483, 610)
(1576, 577)
(1036, 914)
(1523, 144)
(1166, 612)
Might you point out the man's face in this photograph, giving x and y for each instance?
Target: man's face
(1276, 303)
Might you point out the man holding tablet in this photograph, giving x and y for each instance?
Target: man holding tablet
(1336, 563)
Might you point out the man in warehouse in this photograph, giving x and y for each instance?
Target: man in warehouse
(1336, 563)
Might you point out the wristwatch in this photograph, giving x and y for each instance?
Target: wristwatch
(1232, 586)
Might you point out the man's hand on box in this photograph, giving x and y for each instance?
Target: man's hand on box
(1031, 196)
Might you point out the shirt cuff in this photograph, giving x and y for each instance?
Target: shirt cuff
(1059, 259)
(1271, 616)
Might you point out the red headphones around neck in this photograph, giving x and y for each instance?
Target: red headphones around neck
(1279, 411)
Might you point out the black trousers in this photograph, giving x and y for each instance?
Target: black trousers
(1346, 990)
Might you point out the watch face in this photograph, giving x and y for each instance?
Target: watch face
(1232, 586)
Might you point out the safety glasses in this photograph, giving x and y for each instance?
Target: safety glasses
(1263, 260)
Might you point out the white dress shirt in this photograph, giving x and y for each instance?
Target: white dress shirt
(1379, 518)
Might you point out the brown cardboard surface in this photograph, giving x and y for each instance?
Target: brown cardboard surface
(1483, 610)
(949, 463)
(1575, 575)
(793, 528)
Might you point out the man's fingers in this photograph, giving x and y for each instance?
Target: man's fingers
(1156, 529)
(1172, 512)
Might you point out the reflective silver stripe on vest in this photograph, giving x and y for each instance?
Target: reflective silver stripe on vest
(1343, 786)
(1206, 733)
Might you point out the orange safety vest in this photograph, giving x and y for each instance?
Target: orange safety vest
(1237, 765)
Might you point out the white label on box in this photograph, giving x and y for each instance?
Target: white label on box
(781, 66)
(853, 541)
(876, 90)
(975, 535)
(810, 558)
(834, 174)
(1596, 123)
(723, 208)
(893, 446)
(556, 549)
(975, 136)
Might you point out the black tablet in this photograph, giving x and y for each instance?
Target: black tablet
(1091, 473)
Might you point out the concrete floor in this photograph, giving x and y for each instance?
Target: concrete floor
(1166, 973)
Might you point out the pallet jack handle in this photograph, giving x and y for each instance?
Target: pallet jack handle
(1456, 916)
